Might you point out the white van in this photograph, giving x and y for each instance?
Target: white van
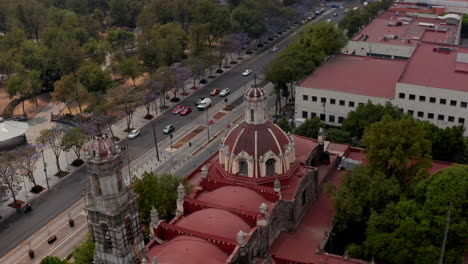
(204, 104)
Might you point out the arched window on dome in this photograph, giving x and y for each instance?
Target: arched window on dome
(252, 118)
(270, 167)
(243, 167)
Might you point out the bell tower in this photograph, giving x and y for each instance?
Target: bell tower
(255, 106)
(111, 206)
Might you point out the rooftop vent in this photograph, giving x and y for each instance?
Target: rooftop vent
(443, 49)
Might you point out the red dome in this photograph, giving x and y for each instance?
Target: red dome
(255, 92)
(214, 222)
(187, 249)
(269, 137)
(235, 197)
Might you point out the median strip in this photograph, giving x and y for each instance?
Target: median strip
(188, 137)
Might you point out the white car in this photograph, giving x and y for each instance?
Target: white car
(204, 104)
(134, 133)
(247, 72)
(224, 92)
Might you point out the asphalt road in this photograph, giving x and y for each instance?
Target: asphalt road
(17, 228)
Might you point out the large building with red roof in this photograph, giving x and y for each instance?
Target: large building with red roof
(430, 86)
(395, 33)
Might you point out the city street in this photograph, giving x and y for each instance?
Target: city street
(18, 228)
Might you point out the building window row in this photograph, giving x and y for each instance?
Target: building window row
(331, 101)
(432, 116)
(323, 117)
(433, 100)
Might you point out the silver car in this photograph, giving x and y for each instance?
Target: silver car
(168, 129)
(134, 133)
(224, 92)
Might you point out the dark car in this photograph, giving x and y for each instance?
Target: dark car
(197, 102)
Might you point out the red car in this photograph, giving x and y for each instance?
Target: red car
(177, 109)
(185, 111)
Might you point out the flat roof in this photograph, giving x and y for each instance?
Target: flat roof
(438, 66)
(357, 75)
(393, 29)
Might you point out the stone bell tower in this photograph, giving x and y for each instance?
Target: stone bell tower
(111, 206)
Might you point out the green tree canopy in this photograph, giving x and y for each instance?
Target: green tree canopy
(94, 78)
(84, 252)
(367, 114)
(448, 144)
(131, 68)
(158, 191)
(248, 18)
(397, 147)
(74, 140)
(53, 260)
(310, 128)
(411, 231)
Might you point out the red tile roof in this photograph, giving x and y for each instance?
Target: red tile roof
(235, 197)
(215, 222)
(183, 248)
(380, 27)
(301, 244)
(436, 68)
(357, 75)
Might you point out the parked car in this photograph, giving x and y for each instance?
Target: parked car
(199, 99)
(186, 111)
(275, 48)
(329, 20)
(177, 109)
(215, 91)
(133, 134)
(204, 104)
(335, 14)
(247, 72)
(168, 129)
(224, 92)
(346, 10)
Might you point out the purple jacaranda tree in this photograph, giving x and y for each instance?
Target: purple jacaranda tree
(198, 68)
(151, 92)
(95, 123)
(181, 75)
(301, 11)
(240, 41)
(274, 25)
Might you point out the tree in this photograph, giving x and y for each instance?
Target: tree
(367, 114)
(131, 68)
(84, 252)
(247, 18)
(32, 16)
(29, 155)
(53, 260)
(68, 91)
(214, 17)
(197, 38)
(181, 75)
(127, 100)
(397, 148)
(158, 191)
(310, 128)
(283, 123)
(415, 227)
(74, 140)
(53, 138)
(70, 56)
(338, 135)
(162, 45)
(18, 86)
(121, 40)
(94, 79)
(150, 92)
(448, 144)
(9, 167)
(124, 12)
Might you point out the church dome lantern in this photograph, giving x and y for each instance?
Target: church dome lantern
(256, 147)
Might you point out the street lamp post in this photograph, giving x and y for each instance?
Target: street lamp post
(208, 125)
(25, 190)
(128, 160)
(45, 169)
(155, 142)
(171, 139)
